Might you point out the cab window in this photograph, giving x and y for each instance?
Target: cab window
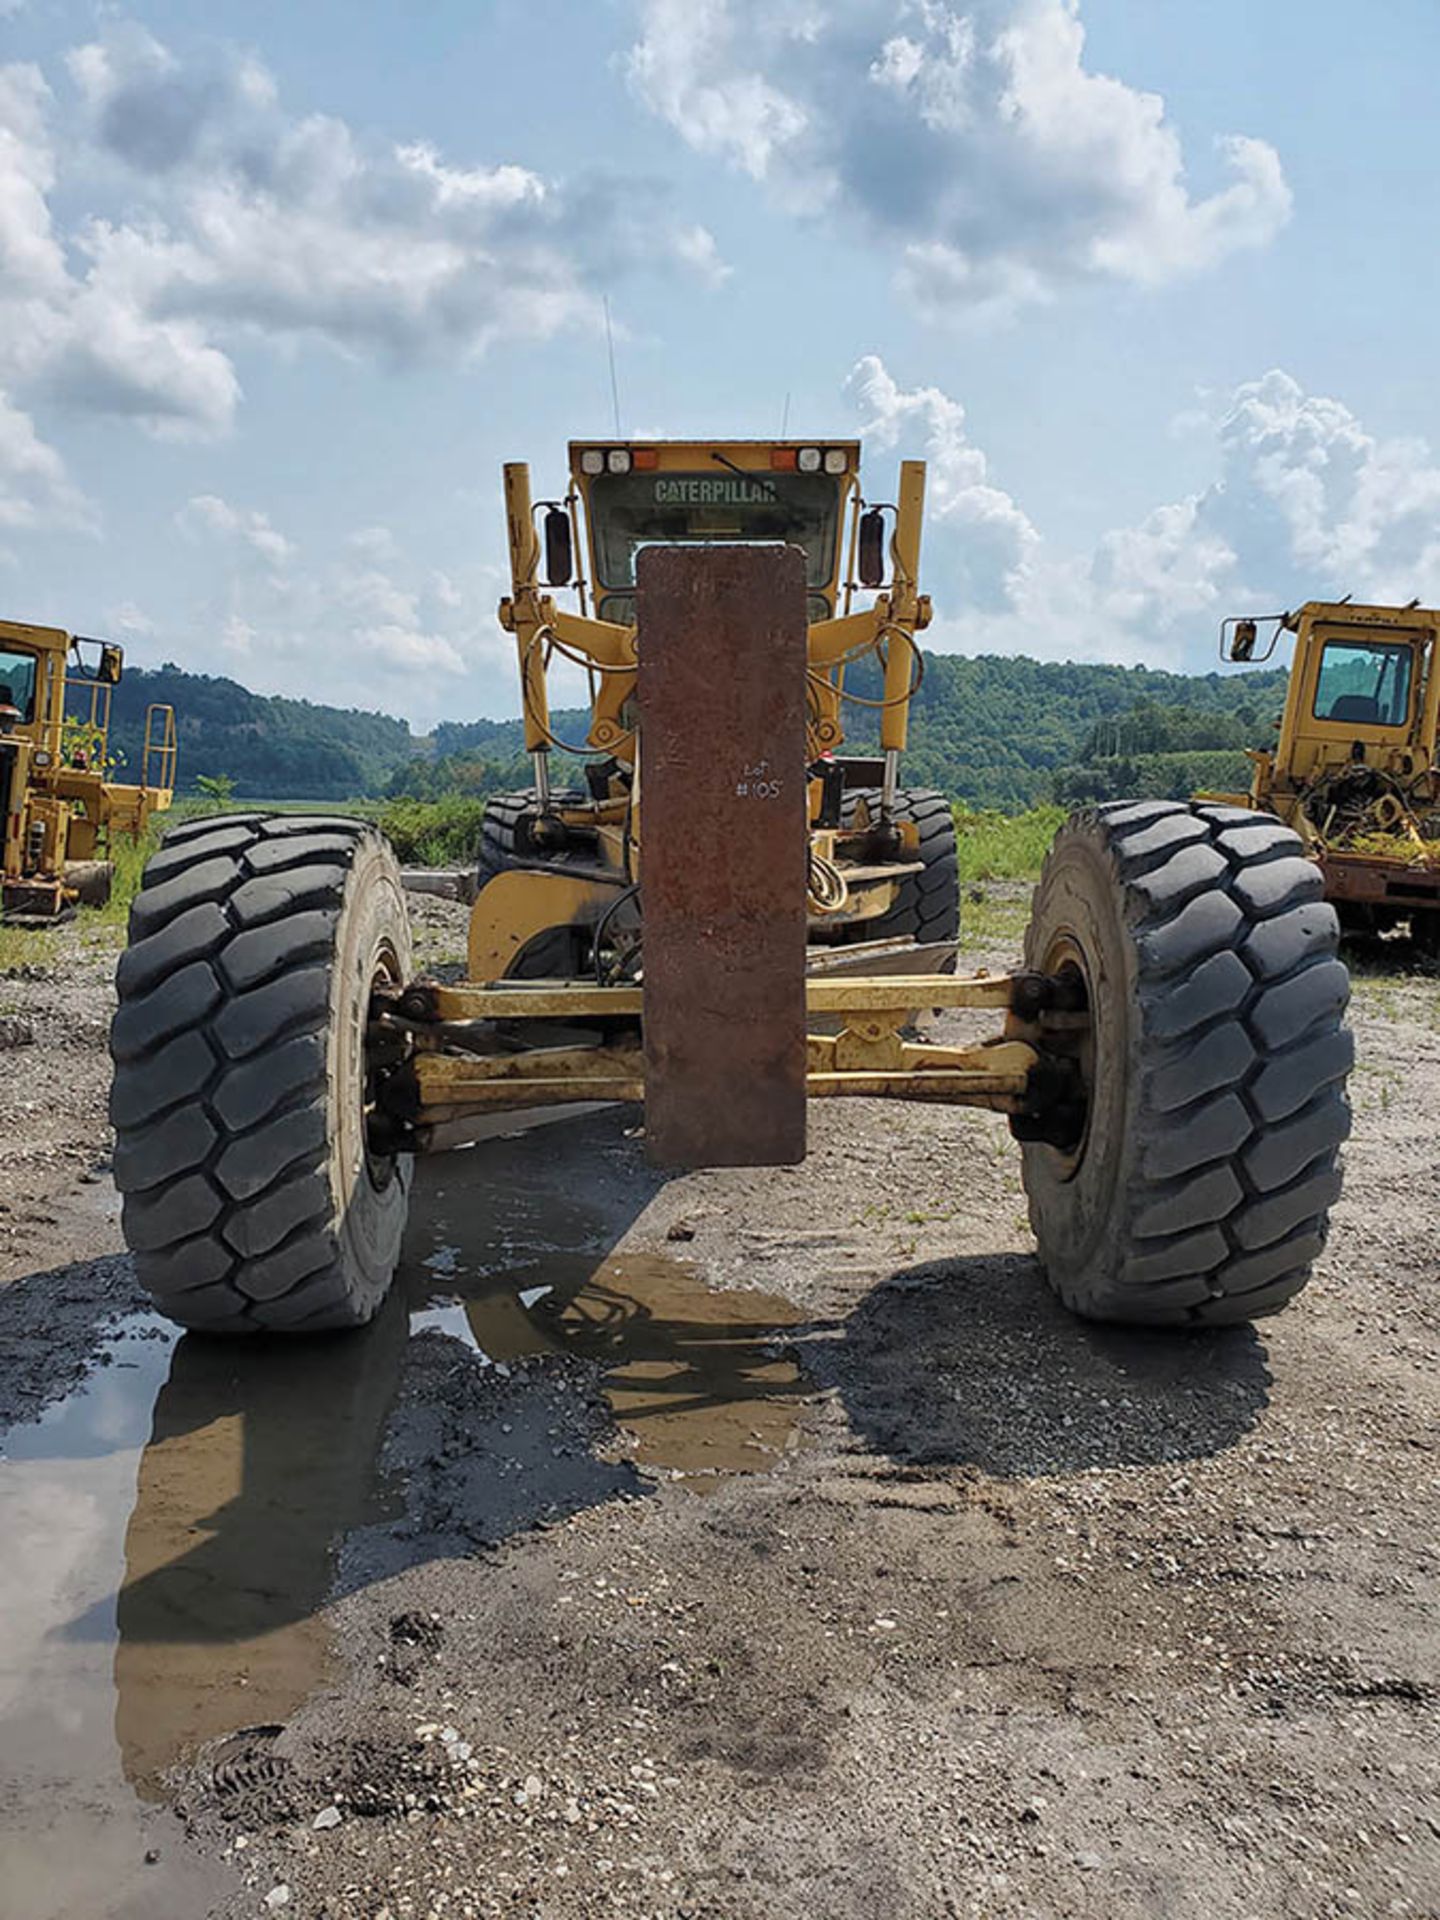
(629, 511)
(17, 682)
(1364, 683)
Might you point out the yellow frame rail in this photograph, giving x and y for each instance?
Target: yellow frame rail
(461, 1070)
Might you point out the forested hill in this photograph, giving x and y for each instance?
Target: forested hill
(994, 731)
(998, 731)
(269, 746)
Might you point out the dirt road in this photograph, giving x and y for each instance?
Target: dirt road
(744, 1546)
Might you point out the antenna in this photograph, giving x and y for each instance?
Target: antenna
(614, 383)
(785, 418)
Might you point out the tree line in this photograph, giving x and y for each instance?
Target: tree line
(994, 732)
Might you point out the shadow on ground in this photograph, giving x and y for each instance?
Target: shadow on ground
(975, 1363)
(484, 1401)
(480, 1405)
(1388, 956)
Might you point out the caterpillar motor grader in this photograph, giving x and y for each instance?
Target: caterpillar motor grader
(57, 803)
(730, 916)
(1355, 770)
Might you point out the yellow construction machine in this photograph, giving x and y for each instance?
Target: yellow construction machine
(59, 806)
(729, 917)
(556, 866)
(1355, 770)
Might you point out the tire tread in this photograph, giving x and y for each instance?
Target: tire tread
(219, 1098)
(1240, 1077)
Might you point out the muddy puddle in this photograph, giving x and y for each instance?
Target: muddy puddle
(172, 1527)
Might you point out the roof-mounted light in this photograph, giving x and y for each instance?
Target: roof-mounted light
(617, 460)
(808, 459)
(836, 460)
(592, 461)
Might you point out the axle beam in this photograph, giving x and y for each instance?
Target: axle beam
(453, 1056)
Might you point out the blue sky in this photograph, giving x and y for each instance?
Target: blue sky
(1151, 286)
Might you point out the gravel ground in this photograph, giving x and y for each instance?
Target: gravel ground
(1016, 1616)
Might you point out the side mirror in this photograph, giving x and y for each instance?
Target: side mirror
(111, 662)
(559, 555)
(872, 548)
(1244, 642)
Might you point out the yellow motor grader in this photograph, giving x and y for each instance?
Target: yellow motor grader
(1355, 770)
(57, 802)
(729, 917)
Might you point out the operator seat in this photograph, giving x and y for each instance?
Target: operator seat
(1362, 708)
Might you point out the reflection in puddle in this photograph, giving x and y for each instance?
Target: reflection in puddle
(172, 1526)
(693, 1376)
(261, 1457)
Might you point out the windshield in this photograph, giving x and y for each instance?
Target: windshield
(17, 682)
(1364, 683)
(633, 510)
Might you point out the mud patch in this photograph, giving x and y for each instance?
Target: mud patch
(179, 1511)
(74, 1835)
(51, 1325)
(699, 1380)
(522, 1255)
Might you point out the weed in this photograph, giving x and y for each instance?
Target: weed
(1000, 846)
(22, 947)
(991, 920)
(435, 833)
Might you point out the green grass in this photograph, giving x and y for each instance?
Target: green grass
(22, 947)
(438, 833)
(987, 922)
(434, 833)
(993, 846)
(1001, 846)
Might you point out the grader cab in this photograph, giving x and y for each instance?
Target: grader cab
(1355, 770)
(59, 807)
(726, 917)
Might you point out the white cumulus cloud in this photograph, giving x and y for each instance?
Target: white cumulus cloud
(348, 623)
(208, 512)
(988, 537)
(972, 136)
(227, 221)
(35, 490)
(1305, 503)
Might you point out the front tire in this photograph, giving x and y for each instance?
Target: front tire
(1198, 1191)
(251, 1198)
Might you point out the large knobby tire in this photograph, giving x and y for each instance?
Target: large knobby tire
(251, 1199)
(1216, 1061)
(499, 830)
(927, 904)
(559, 952)
(501, 825)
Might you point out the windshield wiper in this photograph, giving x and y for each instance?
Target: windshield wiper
(759, 479)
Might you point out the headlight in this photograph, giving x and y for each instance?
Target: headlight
(808, 459)
(836, 460)
(592, 461)
(40, 757)
(618, 459)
